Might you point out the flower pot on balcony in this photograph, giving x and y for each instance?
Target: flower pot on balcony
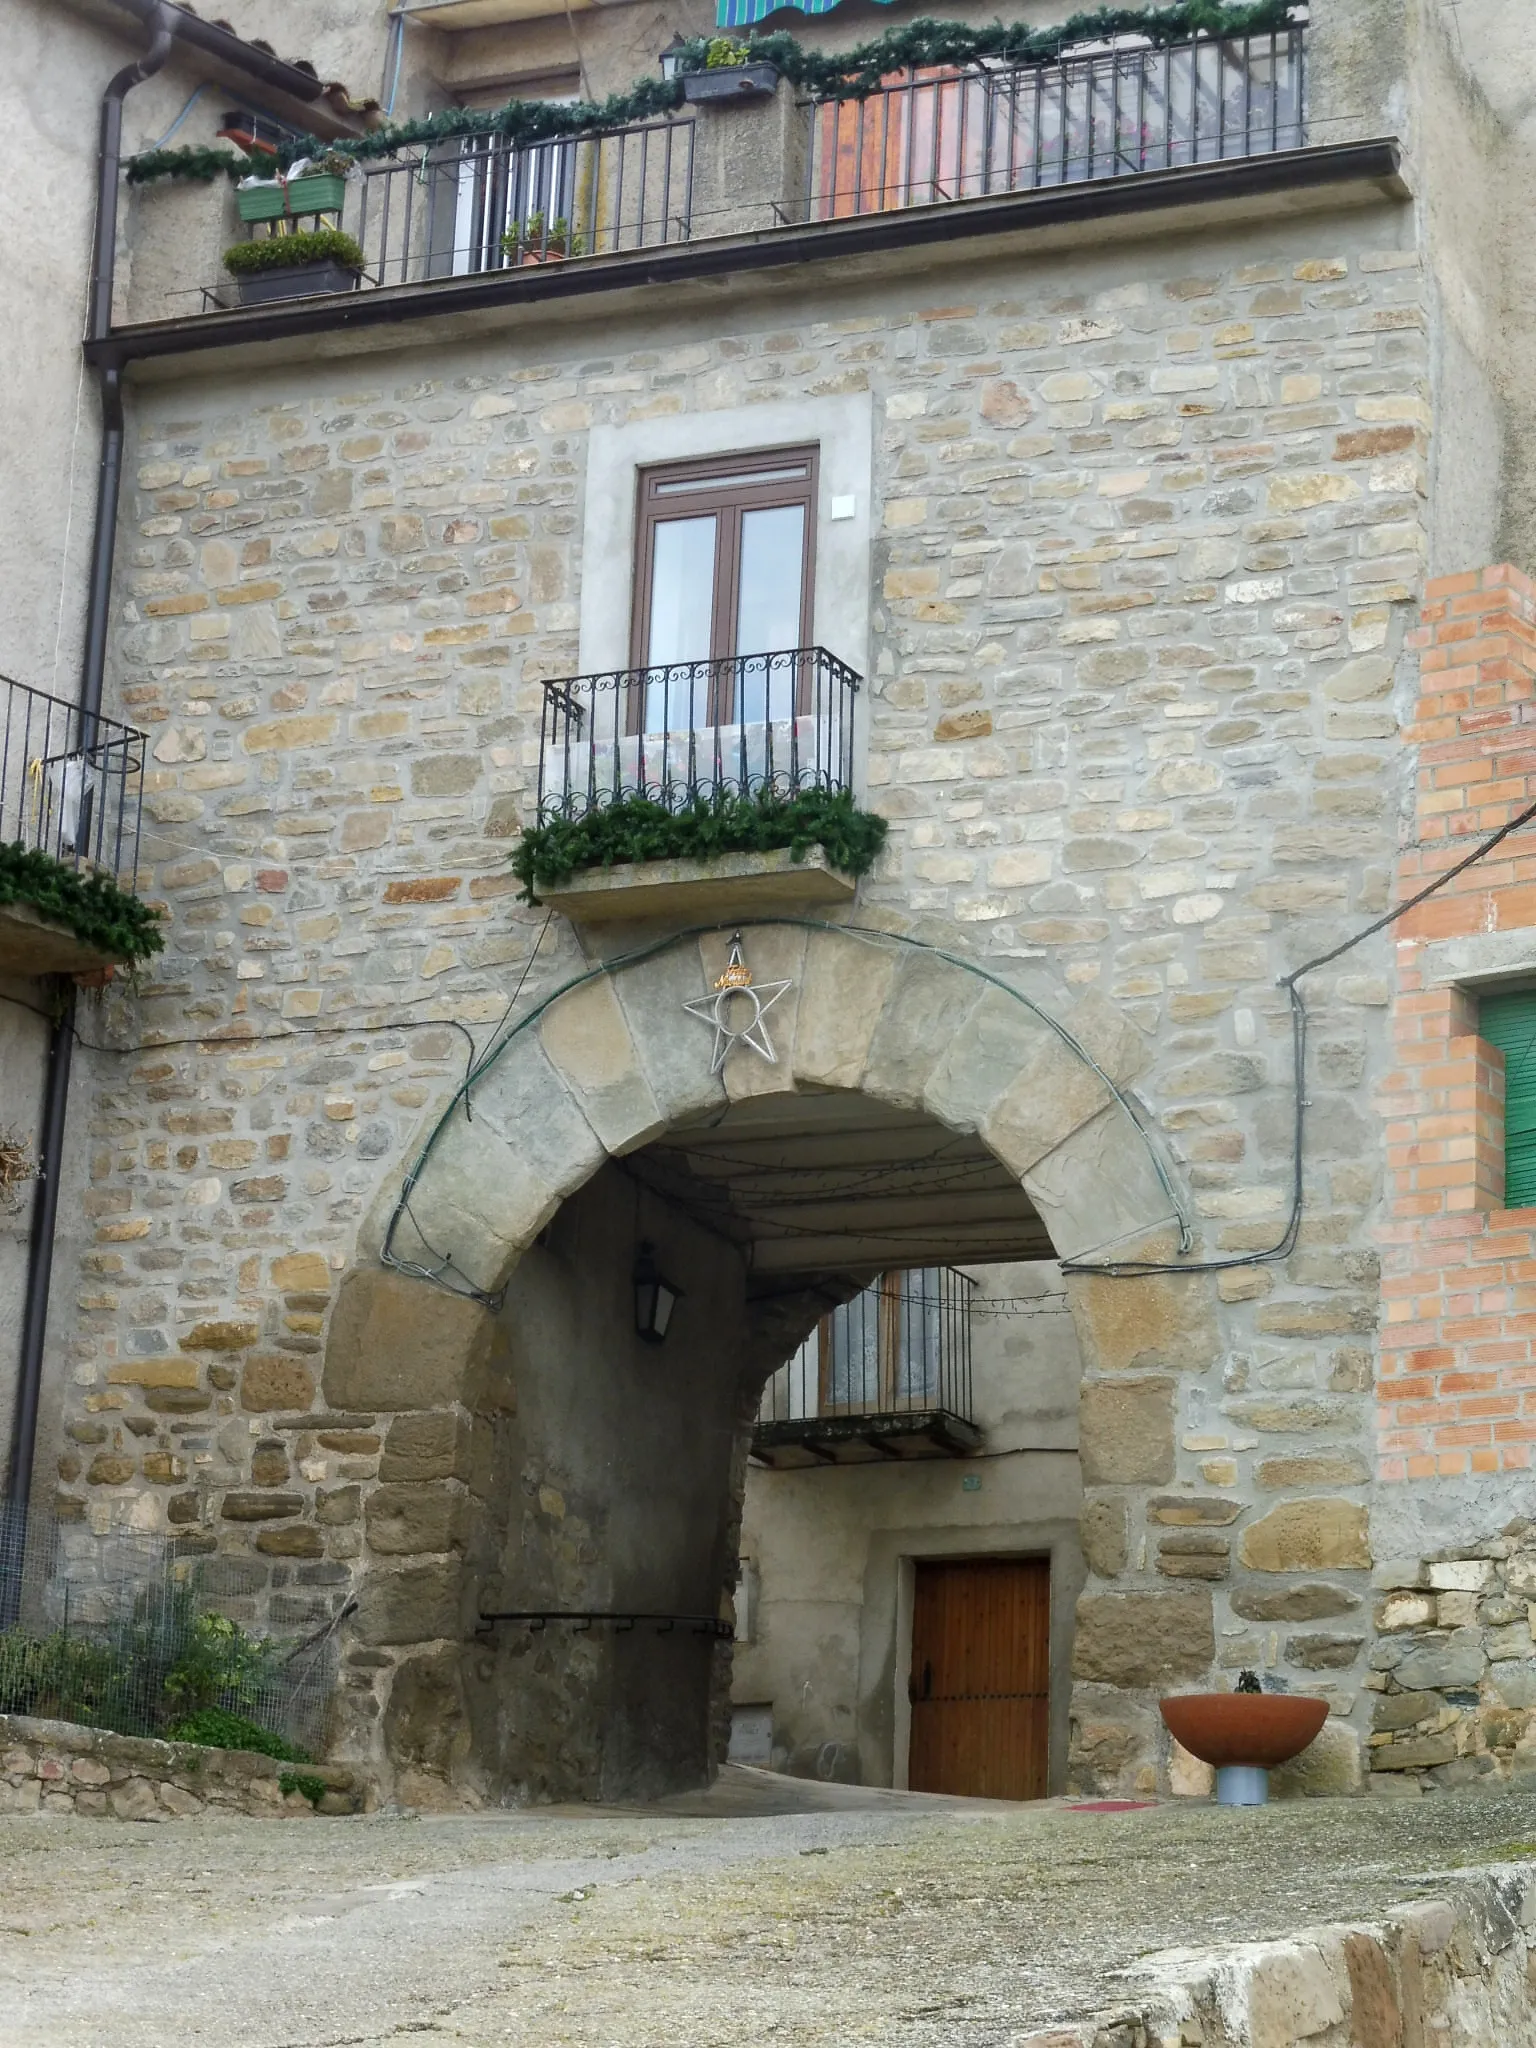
(318, 192)
(297, 281)
(731, 82)
(1245, 1735)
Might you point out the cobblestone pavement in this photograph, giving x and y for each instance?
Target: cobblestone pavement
(856, 1919)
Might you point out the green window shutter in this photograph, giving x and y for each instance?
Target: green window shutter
(1509, 1022)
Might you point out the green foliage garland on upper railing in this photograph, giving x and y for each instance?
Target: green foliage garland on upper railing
(93, 908)
(636, 828)
(849, 74)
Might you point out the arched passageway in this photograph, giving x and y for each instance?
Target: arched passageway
(916, 1112)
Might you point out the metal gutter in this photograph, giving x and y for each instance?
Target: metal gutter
(1146, 194)
(223, 44)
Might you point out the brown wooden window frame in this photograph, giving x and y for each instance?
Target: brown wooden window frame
(728, 498)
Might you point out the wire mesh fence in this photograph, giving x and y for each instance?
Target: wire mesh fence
(117, 1632)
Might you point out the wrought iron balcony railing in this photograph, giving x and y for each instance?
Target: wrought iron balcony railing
(991, 128)
(479, 204)
(691, 729)
(888, 1375)
(71, 782)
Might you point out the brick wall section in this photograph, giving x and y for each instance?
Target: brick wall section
(1458, 1366)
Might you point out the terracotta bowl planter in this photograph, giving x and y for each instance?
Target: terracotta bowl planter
(1244, 1734)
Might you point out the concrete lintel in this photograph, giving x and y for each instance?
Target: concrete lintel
(1481, 958)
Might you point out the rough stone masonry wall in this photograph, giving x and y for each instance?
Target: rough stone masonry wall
(1454, 1672)
(1458, 1970)
(1148, 525)
(57, 1767)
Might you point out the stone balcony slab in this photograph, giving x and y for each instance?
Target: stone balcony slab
(733, 885)
(33, 944)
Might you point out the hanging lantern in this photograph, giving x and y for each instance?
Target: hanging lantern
(655, 1297)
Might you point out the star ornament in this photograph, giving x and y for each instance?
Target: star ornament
(738, 1010)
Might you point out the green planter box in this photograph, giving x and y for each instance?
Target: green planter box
(322, 193)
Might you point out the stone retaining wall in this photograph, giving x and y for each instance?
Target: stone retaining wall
(57, 1767)
(1454, 1670)
(1455, 1971)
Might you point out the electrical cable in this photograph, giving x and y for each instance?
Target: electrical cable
(194, 97)
(1121, 1269)
(211, 1044)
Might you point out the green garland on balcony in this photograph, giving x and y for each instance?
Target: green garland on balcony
(851, 74)
(637, 829)
(95, 909)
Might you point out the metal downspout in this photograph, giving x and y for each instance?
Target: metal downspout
(45, 1200)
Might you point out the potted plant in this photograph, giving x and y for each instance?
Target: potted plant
(730, 74)
(531, 242)
(1245, 1734)
(295, 266)
(314, 185)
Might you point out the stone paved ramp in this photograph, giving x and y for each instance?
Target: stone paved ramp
(856, 1918)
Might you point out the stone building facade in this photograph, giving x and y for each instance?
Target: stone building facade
(1141, 521)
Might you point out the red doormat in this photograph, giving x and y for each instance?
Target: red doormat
(1111, 1806)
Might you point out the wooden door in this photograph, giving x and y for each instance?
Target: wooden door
(980, 1678)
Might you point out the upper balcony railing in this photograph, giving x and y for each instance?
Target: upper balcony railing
(690, 729)
(477, 205)
(481, 204)
(935, 136)
(71, 783)
(887, 1374)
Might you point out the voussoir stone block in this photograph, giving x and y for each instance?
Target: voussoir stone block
(772, 953)
(673, 1049)
(401, 1343)
(928, 1004)
(996, 1044)
(1125, 1432)
(1057, 1091)
(1099, 1187)
(1143, 1639)
(1308, 1536)
(586, 1036)
(525, 1101)
(846, 981)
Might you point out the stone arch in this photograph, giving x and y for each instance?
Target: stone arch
(613, 1063)
(603, 1069)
